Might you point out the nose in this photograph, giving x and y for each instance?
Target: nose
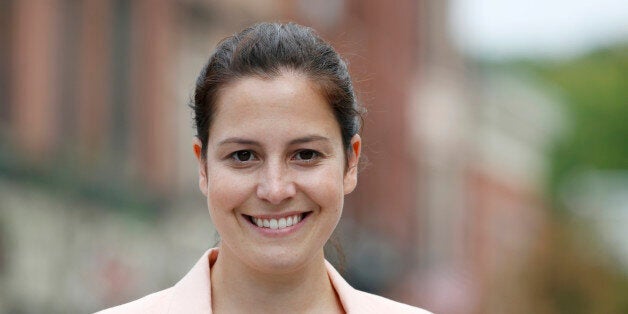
(275, 183)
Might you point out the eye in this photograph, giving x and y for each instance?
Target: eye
(307, 155)
(243, 156)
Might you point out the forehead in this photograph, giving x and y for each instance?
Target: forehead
(290, 103)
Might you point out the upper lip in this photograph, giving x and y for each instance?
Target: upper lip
(277, 216)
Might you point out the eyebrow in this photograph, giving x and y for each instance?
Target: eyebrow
(238, 140)
(309, 139)
(300, 140)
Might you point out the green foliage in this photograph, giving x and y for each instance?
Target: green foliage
(595, 88)
(573, 273)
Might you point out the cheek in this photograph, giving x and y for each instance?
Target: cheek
(226, 191)
(325, 188)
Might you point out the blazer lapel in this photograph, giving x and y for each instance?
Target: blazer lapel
(349, 297)
(192, 294)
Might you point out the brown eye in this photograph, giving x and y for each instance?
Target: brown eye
(243, 156)
(306, 155)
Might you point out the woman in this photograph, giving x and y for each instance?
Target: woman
(277, 148)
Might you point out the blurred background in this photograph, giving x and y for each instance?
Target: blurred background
(497, 173)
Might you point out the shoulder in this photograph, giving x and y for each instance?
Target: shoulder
(378, 304)
(356, 301)
(153, 303)
(190, 295)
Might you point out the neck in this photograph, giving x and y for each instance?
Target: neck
(238, 288)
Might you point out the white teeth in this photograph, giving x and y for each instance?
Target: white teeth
(277, 223)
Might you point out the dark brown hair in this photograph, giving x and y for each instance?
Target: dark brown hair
(265, 50)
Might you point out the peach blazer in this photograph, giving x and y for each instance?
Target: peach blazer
(192, 294)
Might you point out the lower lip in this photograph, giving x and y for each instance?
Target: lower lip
(278, 232)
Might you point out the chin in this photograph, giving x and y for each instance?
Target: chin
(280, 260)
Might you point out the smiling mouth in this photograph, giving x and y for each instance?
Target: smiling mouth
(277, 223)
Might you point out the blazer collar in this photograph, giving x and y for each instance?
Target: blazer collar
(352, 300)
(192, 294)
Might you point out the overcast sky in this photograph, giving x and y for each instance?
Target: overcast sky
(531, 28)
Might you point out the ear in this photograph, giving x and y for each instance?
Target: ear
(351, 175)
(202, 165)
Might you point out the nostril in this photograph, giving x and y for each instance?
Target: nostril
(276, 192)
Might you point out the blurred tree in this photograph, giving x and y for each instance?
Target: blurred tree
(573, 273)
(595, 87)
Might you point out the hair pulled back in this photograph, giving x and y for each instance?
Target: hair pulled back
(265, 50)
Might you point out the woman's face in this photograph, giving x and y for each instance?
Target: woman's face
(275, 174)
